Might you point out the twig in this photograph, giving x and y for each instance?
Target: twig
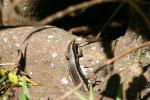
(97, 38)
(120, 56)
(8, 64)
(70, 92)
(71, 9)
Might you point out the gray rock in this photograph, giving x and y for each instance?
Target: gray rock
(45, 58)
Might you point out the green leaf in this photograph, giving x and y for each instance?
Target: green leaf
(23, 97)
(91, 94)
(25, 87)
(3, 79)
(119, 94)
(78, 94)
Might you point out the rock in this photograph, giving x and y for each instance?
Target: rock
(132, 64)
(45, 58)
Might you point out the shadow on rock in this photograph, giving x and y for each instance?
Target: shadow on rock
(112, 87)
(135, 88)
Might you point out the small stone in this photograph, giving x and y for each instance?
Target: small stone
(50, 37)
(93, 48)
(64, 81)
(5, 39)
(54, 54)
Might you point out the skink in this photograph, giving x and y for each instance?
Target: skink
(74, 66)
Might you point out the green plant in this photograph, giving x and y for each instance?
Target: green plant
(120, 91)
(25, 95)
(91, 94)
